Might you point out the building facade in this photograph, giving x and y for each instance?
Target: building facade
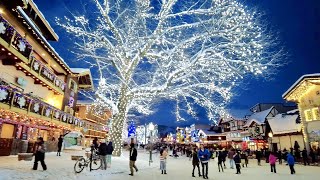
(232, 129)
(38, 90)
(95, 124)
(306, 93)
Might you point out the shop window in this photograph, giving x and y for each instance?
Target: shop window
(308, 115)
(316, 115)
(7, 131)
(73, 85)
(44, 134)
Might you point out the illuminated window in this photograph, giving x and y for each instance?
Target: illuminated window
(316, 115)
(308, 115)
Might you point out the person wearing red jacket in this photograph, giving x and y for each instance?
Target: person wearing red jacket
(272, 161)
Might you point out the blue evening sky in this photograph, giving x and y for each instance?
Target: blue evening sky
(296, 21)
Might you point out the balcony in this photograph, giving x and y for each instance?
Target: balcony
(16, 101)
(19, 48)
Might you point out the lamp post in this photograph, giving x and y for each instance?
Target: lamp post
(270, 137)
(151, 128)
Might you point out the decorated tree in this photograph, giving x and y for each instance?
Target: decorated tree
(193, 53)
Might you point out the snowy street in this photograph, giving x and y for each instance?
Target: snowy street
(180, 168)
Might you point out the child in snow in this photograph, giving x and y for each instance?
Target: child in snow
(290, 161)
(272, 161)
(163, 160)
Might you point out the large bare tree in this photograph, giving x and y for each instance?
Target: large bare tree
(192, 52)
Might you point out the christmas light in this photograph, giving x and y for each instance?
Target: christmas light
(191, 54)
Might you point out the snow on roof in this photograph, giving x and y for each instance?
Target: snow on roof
(293, 111)
(42, 17)
(80, 70)
(207, 132)
(298, 81)
(34, 27)
(284, 123)
(258, 117)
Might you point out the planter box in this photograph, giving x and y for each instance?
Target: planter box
(25, 156)
(75, 158)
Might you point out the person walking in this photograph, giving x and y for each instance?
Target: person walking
(109, 154)
(237, 161)
(195, 162)
(95, 143)
(103, 153)
(231, 154)
(60, 141)
(272, 161)
(290, 161)
(39, 153)
(220, 160)
(204, 156)
(279, 155)
(305, 157)
(163, 160)
(225, 154)
(244, 156)
(133, 158)
(258, 157)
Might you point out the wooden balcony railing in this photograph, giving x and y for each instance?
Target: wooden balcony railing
(21, 46)
(17, 101)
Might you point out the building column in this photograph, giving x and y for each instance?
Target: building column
(304, 129)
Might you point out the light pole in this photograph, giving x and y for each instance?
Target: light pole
(151, 128)
(270, 137)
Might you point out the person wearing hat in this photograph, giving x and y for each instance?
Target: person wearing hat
(133, 158)
(39, 152)
(103, 154)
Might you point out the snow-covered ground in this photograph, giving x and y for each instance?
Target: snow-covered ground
(62, 168)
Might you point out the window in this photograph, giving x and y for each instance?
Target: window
(73, 85)
(316, 115)
(308, 115)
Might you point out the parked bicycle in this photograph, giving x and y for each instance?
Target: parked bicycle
(93, 161)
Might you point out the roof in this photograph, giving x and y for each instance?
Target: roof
(43, 19)
(258, 117)
(295, 86)
(85, 78)
(208, 133)
(284, 123)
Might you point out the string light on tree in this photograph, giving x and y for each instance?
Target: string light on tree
(193, 54)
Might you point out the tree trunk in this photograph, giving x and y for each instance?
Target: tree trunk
(116, 133)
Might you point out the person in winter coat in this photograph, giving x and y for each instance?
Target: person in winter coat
(195, 162)
(39, 153)
(163, 160)
(103, 153)
(237, 161)
(95, 143)
(220, 160)
(290, 161)
(258, 157)
(279, 155)
(244, 156)
(305, 157)
(272, 161)
(109, 153)
(312, 155)
(204, 156)
(231, 154)
(60, 141)
(225, 154)
(133, 158)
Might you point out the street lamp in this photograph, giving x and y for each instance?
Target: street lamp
(270, 136)
(151, 128)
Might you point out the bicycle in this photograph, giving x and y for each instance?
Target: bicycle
(93, 161)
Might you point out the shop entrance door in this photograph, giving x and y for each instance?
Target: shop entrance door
(6, 138)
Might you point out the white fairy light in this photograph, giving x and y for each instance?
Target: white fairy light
(194, 55)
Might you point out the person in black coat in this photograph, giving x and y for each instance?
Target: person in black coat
(39, 153)
(279, 156)
(195, 161)
(133, 158)
(60, 141)
(225, 154)
(103, 153)
(237, 161)
(258, 157)
(221, 158)
(95, 143)
(305, 156)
